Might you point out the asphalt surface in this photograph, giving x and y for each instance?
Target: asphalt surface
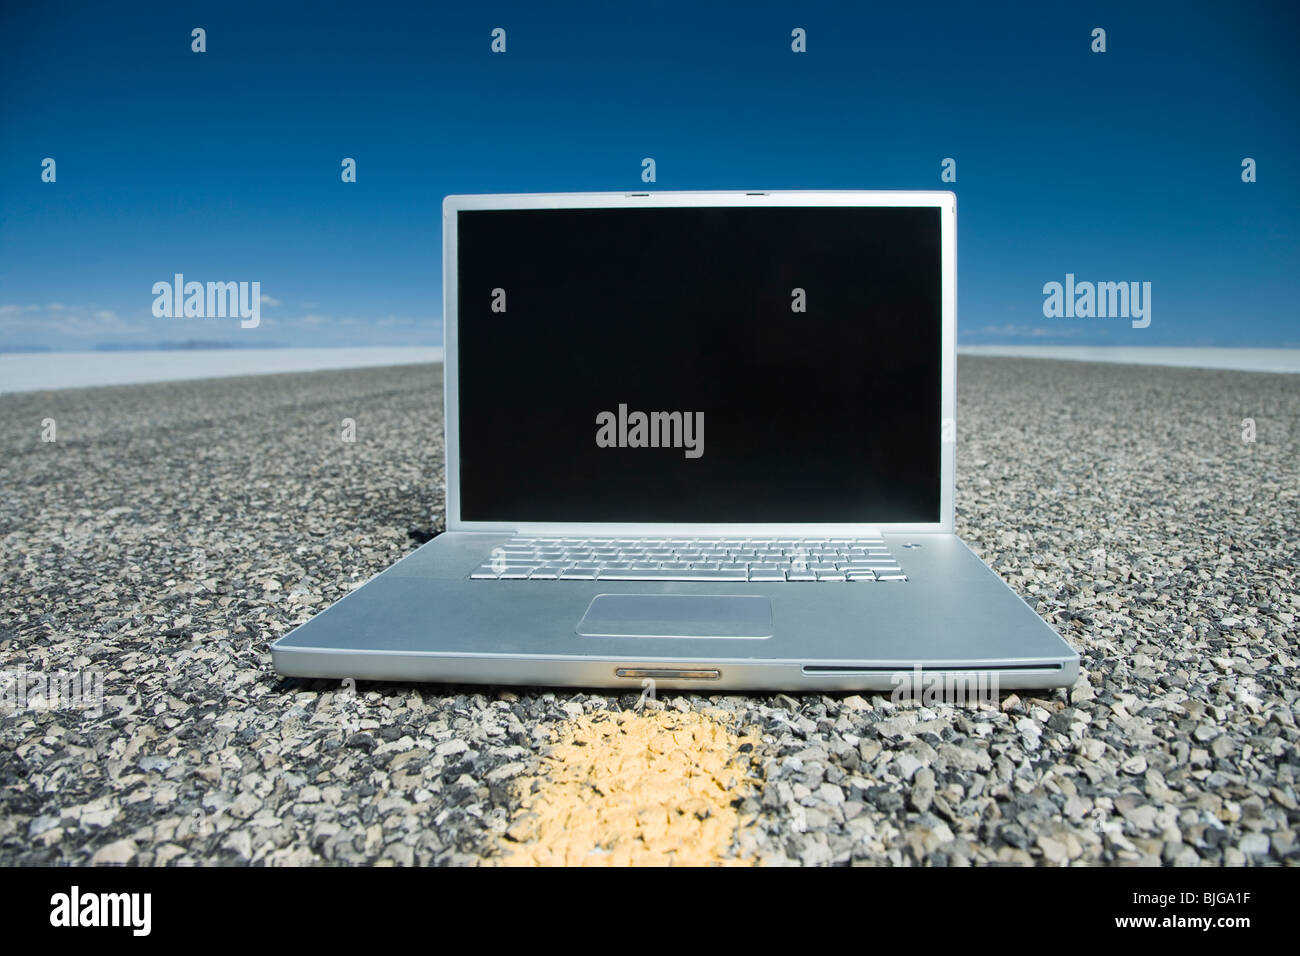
(171, 532)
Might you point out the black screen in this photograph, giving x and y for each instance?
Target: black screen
(831, 414)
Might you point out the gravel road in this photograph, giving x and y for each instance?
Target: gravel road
(171, 532)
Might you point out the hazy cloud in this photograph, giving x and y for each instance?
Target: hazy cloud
(60, 319)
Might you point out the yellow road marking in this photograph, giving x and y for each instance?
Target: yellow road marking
(626, 788)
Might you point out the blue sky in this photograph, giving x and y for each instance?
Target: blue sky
(225, 165)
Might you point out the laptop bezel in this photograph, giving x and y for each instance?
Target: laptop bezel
(945, 430)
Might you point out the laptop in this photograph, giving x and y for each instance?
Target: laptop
(699, 439)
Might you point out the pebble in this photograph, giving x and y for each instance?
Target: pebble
(1136, 764)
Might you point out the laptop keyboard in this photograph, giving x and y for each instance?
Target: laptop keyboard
(758, 560)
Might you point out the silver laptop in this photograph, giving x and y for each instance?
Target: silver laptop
(704, 439)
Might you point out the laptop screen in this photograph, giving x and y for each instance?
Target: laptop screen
(700, 364)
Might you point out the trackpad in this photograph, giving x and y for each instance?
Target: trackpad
(678, 615)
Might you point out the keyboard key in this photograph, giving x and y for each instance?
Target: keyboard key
(860, 576)
(579, 574)
(700, 574)
(484, 573)
(830, 576)
(656, 574)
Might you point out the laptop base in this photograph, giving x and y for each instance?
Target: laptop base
(952, 622)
